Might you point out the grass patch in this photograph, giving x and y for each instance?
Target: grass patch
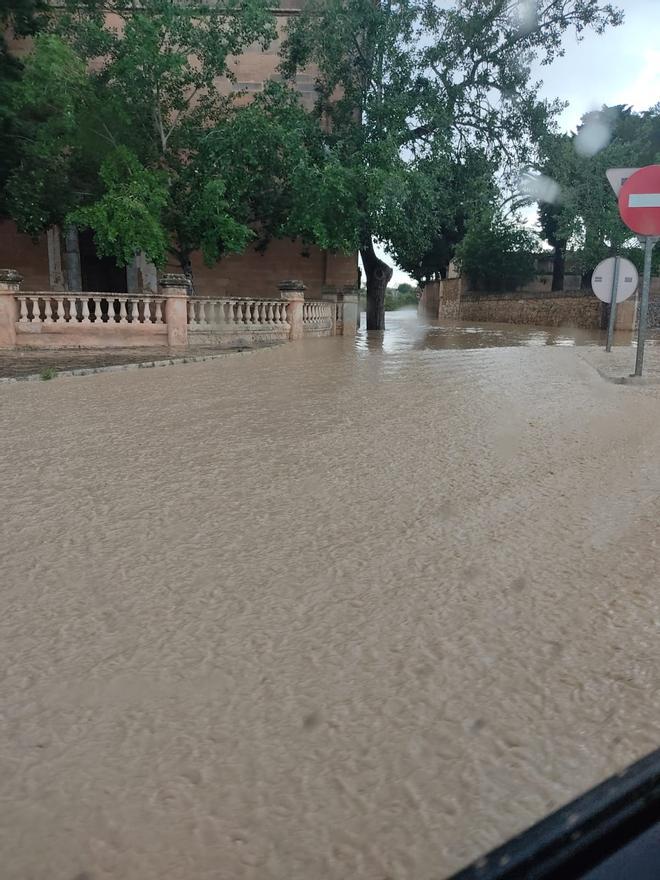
(48, 373)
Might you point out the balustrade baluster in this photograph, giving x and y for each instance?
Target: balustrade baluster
(23, 315)
(123, 318)
(159, 311)
(269, 313)
(57, 314)
(239, 312)
(85, 311)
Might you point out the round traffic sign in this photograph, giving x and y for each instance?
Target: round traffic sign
(639, 201)
(603, 278)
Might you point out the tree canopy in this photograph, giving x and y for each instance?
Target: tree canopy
(404, 87)
(115, 114)
(583, 215)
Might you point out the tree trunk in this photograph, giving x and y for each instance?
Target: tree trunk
(378, 276)
(558, 266)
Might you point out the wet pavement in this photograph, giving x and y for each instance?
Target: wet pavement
(331, 610)
(50, 362)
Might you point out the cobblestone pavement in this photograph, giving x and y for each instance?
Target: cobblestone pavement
(333, 611)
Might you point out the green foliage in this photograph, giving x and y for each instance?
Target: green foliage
(399, 299)
(48, 373)
(497, 254)
(115, 126)
(586, 217)
(47, 105)
(127, 217)
(458, 186)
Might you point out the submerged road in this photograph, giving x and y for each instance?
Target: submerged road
(326, 611)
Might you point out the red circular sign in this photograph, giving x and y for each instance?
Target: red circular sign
(639, 201)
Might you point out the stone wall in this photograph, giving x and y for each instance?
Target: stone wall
(580, 309)
(451, 290)
(441, 299)
(429, 301)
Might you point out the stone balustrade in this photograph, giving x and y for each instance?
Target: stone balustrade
(317, 318)
(46, 319)
(92, 308)
(253, 314)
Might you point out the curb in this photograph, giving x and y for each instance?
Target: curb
(635, 381)
(142, 365)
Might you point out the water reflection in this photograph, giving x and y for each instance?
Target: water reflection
(406, 331)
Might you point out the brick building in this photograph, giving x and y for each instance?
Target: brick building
(58, 262)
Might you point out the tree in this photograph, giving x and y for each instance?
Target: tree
(460, 187)
(398, 82)
(584, 215)
(115, 126)
(21, 18)
(497, 254)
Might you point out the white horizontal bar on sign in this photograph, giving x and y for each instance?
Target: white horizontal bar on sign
(644, 200)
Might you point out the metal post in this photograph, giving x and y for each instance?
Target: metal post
(612, 321)
(644, 305)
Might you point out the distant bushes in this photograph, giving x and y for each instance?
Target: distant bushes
(397, 298)
(497, 254)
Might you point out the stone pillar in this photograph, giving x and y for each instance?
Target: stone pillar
(294, 293)
(141, 275)
(10, 284)
(55, 274)
(73, 272)
(351, 311)
(174, 288)
(332, 297)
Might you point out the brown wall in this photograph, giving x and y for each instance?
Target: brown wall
(21, 252)
(249, 274)
(256, 274)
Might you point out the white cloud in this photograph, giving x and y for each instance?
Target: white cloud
(643, 91)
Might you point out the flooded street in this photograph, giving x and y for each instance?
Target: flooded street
(408, 331)
(333, 610)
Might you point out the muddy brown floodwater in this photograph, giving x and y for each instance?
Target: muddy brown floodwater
(321, 612)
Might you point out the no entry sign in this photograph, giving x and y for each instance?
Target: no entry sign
(639, 201)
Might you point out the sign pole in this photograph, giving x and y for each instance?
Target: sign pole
(613, 303)
(644, 304)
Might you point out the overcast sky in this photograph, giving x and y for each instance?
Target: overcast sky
(620, 67)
